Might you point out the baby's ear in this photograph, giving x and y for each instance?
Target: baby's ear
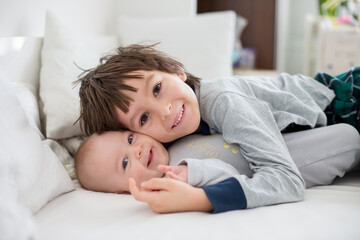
(182, 76)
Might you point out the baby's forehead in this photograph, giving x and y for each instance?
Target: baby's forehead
(107, 146)
(97, 143)
(114, 134)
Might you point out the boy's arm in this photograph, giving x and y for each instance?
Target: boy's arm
(169, 195)
(200, 172)
(251, 124)
(166, 195)
(207, 172)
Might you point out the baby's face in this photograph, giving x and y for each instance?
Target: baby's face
(117, 156)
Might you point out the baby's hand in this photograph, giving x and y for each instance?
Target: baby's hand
(179, 173)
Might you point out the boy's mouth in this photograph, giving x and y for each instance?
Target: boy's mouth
(150, 158)
(179, 116)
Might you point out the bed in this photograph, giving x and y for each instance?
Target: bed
(40, 196)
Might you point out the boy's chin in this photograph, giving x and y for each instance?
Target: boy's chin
(180, 135)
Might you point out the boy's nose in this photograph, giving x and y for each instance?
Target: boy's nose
(165, 111)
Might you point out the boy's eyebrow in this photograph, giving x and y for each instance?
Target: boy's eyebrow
(147, 83)
(132, 121)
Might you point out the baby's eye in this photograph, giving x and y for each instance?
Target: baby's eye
(125, 162)
(130, 139)
(156, 89)
(144, 118)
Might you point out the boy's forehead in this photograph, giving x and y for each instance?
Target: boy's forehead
(143, 75)
(138, 83)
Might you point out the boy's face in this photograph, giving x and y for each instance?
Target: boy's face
(164, 106)
(117, 156)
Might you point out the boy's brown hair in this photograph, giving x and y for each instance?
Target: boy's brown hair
(100, 87)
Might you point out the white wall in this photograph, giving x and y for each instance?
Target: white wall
(27, 17)
(291, 33)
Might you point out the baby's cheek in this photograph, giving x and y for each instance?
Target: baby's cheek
(142, 175)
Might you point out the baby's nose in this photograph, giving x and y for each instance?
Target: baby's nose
(138, 151)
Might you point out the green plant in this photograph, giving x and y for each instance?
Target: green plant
(329, 7)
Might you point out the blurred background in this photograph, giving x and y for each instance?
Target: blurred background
(295, 36)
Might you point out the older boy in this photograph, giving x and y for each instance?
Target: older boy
(146, 91)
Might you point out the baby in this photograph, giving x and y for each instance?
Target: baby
(105, 162)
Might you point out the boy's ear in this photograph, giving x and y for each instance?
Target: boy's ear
(182, 76)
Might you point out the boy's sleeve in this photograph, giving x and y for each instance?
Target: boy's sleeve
(251, 124)
(207, 172)
(227, 195)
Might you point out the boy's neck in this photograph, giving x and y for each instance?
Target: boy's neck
(198, 130)
(203, 128)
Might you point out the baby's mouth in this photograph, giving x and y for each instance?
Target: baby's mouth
(179, 117)
(150, 158)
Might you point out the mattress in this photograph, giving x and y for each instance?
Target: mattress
(327, 212)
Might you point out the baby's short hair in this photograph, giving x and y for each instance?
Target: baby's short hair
(99, 91)
(81, 156)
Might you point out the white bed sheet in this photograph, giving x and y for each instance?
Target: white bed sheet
(327, 212)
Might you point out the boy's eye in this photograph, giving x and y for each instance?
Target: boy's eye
(156, 89)
(144, 118)
(125, 162)
(130, 139)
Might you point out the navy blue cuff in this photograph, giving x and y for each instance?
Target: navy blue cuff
(204, 127)
(226, 196)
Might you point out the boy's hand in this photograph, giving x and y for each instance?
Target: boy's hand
(179, 173)
(166, 195)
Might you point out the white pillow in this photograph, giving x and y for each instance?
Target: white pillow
(203, 43)
(37, 173)
(29, 103)
(156, 8)
(13, 215)
(63, 47)
(21, 53)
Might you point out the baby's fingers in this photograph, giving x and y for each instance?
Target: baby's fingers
(164, 168)
(173, 176)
